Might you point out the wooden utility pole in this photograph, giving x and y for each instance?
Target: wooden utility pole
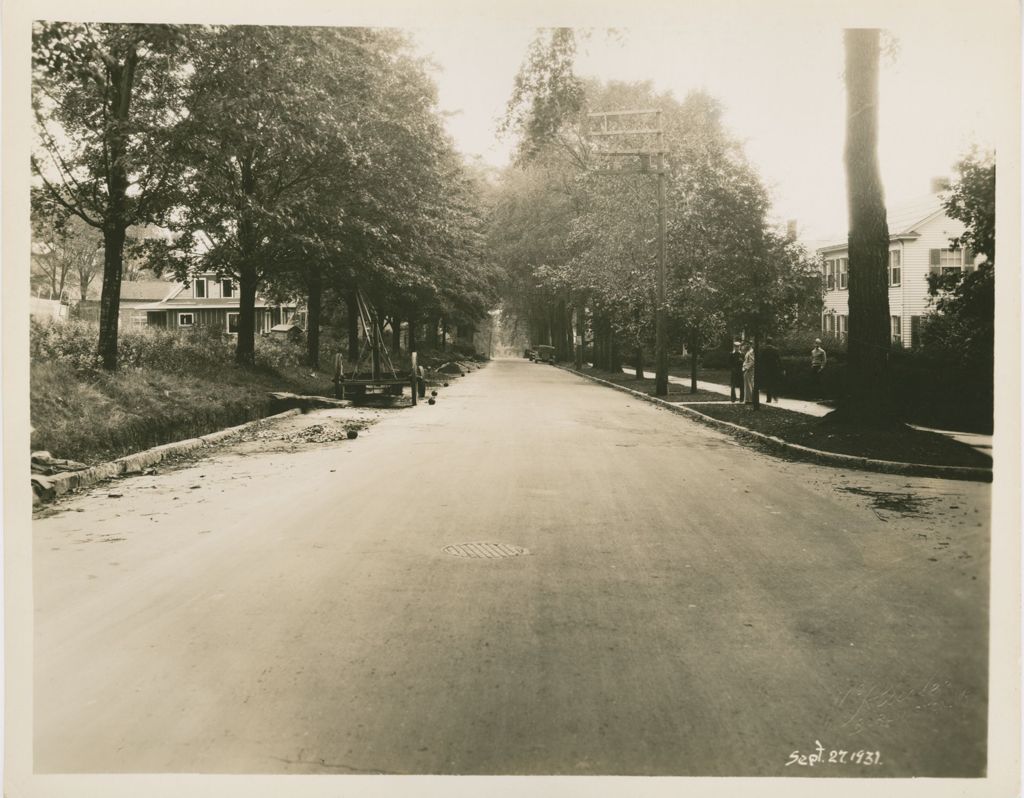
(631, 124)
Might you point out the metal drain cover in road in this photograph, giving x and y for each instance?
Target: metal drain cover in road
(485, 551)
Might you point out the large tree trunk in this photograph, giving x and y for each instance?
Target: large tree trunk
(431, 340)
(866, 392)
(110, 299)
(245, 346)
(314, 299)
(352, 325)
(116, 222)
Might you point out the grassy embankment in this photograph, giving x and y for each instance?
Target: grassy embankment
(170, 386)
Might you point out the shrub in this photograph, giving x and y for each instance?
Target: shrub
(74, 343)
(71, 343)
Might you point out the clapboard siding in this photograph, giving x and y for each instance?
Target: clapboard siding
(910, 298)
(216, 317)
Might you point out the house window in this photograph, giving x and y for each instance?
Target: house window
(895, 268)
(186, 319)
(915, 331)
(842, 326)
(227, 289)
(830, 274)
(843, 268)
(233, 323)
(942, 261)
(896, 327)
(199, 288)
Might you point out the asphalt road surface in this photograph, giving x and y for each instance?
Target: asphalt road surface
(686, 605)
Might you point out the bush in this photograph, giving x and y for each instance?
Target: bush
(71, 343)
(74, 342)
(280, 353)
(463, 349)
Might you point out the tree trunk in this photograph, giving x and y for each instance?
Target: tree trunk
(314, 297)
(431, 339)
(694, 361)
(245, 346)
(110, 299)
(396, 336)
(116, 223)
(580, 315)
(756, 398)
(411, 343)
(352, 323)
(638, 362)
(614, 355)
(868, 343)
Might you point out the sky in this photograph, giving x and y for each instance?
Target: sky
(781, 81)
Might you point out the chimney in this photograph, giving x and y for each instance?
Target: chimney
(791, 229)
(940, 184)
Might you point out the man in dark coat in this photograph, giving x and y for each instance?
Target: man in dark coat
(770, 370)
(735, 371)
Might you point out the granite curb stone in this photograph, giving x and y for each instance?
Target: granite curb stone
(137, 462)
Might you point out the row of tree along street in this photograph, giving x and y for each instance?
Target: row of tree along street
(305, 162)
(578, 241)
(571, 233)
(313, 163)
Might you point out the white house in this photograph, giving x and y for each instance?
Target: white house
(919, 234)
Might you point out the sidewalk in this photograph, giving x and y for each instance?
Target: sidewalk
(982, 443)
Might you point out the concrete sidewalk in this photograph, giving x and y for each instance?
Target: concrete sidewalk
(982, 443)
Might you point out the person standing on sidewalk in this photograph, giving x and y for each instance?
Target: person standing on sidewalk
(771, 370)
(818, 361)
(736, 371)
(748, 374)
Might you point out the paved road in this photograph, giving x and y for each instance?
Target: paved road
(687, 606)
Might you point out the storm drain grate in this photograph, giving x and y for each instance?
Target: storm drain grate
(485, 551)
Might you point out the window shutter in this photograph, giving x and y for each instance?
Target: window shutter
(933, 260)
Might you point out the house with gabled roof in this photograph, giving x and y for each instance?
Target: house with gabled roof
(205, 301)
(919, 235)
(208, 300)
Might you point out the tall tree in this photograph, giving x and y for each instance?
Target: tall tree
(264, 125)
(866, 392)
(105, 97)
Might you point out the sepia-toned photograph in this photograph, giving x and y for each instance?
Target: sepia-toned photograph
(512, 392)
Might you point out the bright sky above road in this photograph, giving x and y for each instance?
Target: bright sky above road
(780, 77)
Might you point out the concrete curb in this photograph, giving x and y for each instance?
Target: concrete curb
(804, 452)
(135, 463)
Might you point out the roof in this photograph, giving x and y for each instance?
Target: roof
(903, 218)
(146, 289)
(131, 290)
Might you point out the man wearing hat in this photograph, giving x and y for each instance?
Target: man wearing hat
(735, 371)
(818, 360)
